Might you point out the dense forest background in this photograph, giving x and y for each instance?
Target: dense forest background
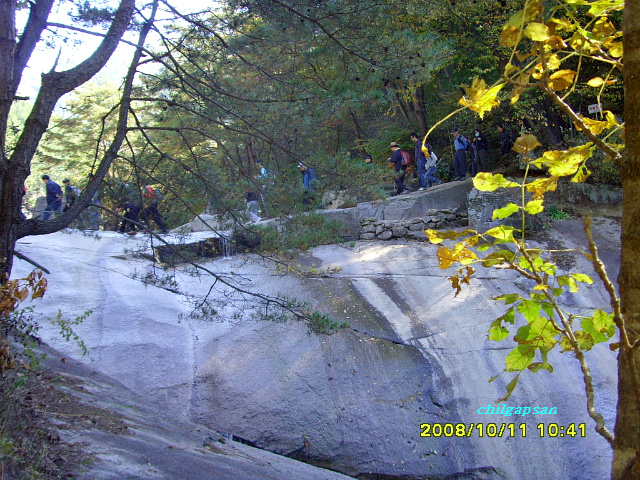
(321, 82)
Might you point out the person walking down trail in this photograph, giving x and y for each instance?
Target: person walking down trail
(400, 160)
(54, 198)
(421, 161)
(480, 143)
(93, 218)
(71, 194)
(308, 183)
(131, 206)
(461, 144)
(152, 198)
(432, 163)
(252, 207)
(505, 140)
(368, 160)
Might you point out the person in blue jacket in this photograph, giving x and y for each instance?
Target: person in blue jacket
(308, 182)
(460, 158)
(54, 198)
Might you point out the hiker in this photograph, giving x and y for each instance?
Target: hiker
(71, 193)
(131, 205)
(93, 214)
(152, 198)
(432, 163)
(54, 198)
(505, 140)
(460, 158)
(400, 163)
(368, 160)
(421, 161)
(308, 183)
(480, 143)
(252, 207)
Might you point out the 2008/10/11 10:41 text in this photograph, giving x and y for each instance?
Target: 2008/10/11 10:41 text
(552, 430)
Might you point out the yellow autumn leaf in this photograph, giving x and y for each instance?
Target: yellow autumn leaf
(553, 61)
(601, 6)
(556, 43)
(581, 175)
(540, 186)
(563, 163)
(479, 99)
(562, 79)
(534, 207)
(446, 257)
(595, 82)
(525, 143)
(538, 32)
(509, 37)
(523, 56)
(615, 49)
(603, 27)
(562, 24)
(598, 126)
(489, 182)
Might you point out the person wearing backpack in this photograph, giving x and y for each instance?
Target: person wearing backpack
(151, 198)
(432, 163)
(71, 193)
(400, 159)
(461, 145)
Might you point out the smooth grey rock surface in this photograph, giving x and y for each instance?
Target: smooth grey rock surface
(353, 401)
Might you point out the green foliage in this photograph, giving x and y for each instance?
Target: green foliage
(556, 213)
(66, 328)
(300, 232)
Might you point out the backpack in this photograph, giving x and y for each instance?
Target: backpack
(72, 192)
(154, 196)
(405, 159)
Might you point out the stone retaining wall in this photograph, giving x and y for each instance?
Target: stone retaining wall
(372, 228)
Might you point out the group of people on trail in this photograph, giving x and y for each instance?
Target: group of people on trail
(141, 204)
(133, 205)
(470, 155)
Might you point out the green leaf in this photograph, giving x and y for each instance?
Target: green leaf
(497, 258)
(519, 358)
(540, 333)
(508, 298)
(582, 277)
(537, 366)
(497, 332)
(505, 212)
(530, 309)
(534, 207)
(510, 387)
(603, 321)
(568, 281)
(502, 232)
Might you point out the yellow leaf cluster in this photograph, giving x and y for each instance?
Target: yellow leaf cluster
(525, 143)
(598, 126)
(478, 99)
(563, 163)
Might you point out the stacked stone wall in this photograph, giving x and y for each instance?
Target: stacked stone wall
(374, 229)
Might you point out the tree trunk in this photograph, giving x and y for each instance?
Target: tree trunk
(14, 170)
(626, 448)
(421, 112)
